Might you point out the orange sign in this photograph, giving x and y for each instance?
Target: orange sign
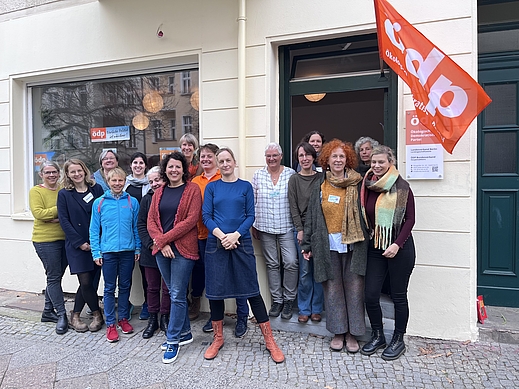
(447, 99)
(416, 133)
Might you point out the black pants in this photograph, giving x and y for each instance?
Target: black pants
(86, 292)
(400, 268)
(256, 303)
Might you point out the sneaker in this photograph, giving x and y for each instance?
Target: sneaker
(186, 339)
(125, 327)
(275, 309)
(111, 333)
(171, 353)
(144, 315)
(287, 310)
(241, 326)
(208, 327)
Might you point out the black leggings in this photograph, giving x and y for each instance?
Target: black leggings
(256, 303)
(400, 268)
(87, 293)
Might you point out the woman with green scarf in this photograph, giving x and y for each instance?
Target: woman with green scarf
(388, 208)
(334, 235)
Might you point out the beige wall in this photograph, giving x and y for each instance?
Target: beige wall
(119, 36)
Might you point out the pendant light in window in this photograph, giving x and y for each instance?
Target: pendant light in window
(140, 121)
(153, 102)
(315, 97)
(195, 100)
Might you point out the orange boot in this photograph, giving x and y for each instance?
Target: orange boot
(275, 352)
(217, 344)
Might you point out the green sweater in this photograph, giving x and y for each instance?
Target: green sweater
(44, 209)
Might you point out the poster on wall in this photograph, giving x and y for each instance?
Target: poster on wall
(110, 134)
(424, 153)
(166, 151)
(40, 157)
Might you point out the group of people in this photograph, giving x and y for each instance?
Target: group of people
(330, 231)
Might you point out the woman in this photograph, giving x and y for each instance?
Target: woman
(115, 246)
(188, 145)
(137, 186)
(228, 214)
(172, 219)
(48, 239)
(75, 209)
(388, 206)
(148, 262)
(108, 160)
(335, 237)
(309, 293)
(210, 174)
(316, 139)
(363, 147)
(273, 226)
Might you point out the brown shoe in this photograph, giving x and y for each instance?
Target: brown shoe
(302, 318)
(352, 346)
(316, 317)
(275, 352)
(97, 321)
(212, 350)
(337, 342)
(76, 323)
(194, 309)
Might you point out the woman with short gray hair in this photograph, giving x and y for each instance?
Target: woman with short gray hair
(363, 147)
(108, 160)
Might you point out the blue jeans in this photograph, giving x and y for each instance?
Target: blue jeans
(54, 259)
(117, 266)
(310, 295)
(176, 272)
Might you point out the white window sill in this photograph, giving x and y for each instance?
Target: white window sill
(23, 216)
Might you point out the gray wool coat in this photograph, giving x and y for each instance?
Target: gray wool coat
(316, 239)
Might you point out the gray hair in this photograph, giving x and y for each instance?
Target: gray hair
(189, 138)
(46, 163)
(154, 169)
(381, 149)
(104, 153)
(365, 139)
(274, 145)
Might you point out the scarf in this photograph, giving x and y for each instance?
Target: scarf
(142, 183)
(390, 206)
(351, 229)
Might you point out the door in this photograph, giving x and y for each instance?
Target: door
(498, 184)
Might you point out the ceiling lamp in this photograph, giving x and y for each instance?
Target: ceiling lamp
(195, 100)
(140, 121)
(153, 102)
(315, 97)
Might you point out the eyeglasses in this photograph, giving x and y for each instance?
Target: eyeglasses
(51, 173)
(108, 159)
(272, 155)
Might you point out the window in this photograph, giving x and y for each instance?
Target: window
(187, 124)
(171, 84)
(81, 118)
(186, 83)
(154, 82)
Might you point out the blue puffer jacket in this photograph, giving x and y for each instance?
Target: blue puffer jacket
(113, 226)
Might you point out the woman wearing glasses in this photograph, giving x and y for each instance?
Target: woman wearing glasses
(108, 160)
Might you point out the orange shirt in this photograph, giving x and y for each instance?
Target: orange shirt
(202, 182)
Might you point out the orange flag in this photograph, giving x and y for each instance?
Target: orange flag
(446, 98)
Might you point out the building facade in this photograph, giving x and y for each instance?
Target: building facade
(252, 65)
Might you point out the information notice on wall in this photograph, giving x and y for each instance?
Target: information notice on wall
(110, 134)
(424, 153)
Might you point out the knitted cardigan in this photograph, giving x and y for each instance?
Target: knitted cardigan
(316, 239)
(184, 233)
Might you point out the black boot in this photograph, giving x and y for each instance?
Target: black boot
(153, 325)
(49, 316)
(378, 340)
(62, 324)
(164, 321)
(395, 349)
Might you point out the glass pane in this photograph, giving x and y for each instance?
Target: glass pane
(503, 109)
(500, 152)
(498, 41)
(348, 63)
(129, 114)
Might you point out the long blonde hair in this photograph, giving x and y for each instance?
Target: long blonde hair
(67, 183)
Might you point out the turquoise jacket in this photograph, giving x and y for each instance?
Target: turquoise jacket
(113, 225)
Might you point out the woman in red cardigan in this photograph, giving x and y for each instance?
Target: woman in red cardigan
(172, 220)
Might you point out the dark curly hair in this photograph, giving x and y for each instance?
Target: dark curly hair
(178, 156)
(307, 137)
(326, 152)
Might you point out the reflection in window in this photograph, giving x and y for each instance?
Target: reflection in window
(500, 152)
(64, 116)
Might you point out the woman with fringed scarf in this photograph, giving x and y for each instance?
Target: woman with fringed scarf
(388, 207)
(336, 238)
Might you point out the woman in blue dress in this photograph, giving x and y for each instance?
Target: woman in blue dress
(230, 267)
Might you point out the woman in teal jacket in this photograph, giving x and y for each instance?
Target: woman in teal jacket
(115, 244)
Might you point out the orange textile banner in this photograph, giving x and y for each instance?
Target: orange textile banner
(446, 98)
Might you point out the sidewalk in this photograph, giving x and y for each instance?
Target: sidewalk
(33, 356)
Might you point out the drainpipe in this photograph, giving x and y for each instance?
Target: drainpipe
(241, 89)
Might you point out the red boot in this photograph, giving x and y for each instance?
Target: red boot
(275, 352)
(217, 344)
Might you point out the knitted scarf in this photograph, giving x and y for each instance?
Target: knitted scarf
(351, 229)
(390, 205)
